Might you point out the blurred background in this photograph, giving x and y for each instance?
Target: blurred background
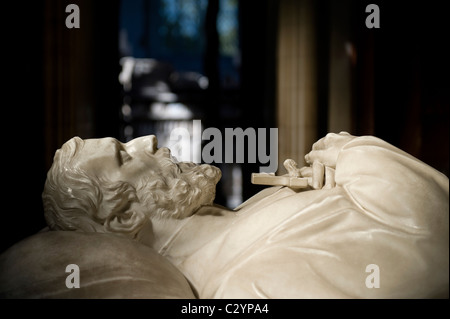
(142, 67)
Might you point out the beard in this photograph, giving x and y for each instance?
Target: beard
(180, 191)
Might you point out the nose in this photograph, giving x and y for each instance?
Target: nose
(147, 143)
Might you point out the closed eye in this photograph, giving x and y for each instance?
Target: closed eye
(124, 157)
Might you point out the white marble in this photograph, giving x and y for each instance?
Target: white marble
(366, 203)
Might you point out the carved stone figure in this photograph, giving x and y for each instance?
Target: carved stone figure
(372, 222)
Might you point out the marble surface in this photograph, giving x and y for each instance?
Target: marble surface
(140, 225)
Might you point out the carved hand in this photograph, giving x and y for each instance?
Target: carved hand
(323, 158)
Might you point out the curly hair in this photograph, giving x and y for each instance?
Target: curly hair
(74, 200)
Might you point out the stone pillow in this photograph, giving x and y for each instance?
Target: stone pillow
(110, 266)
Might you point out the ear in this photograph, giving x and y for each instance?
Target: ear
(127, 222)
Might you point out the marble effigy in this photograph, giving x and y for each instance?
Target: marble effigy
(368, 221)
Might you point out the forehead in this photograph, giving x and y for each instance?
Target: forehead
(97, 150)
(99, 146)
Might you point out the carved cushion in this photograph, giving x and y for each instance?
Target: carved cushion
(110, 266)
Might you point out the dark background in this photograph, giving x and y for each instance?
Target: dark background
(401, 85)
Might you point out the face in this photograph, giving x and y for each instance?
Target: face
(115, 161)
(139, 161)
